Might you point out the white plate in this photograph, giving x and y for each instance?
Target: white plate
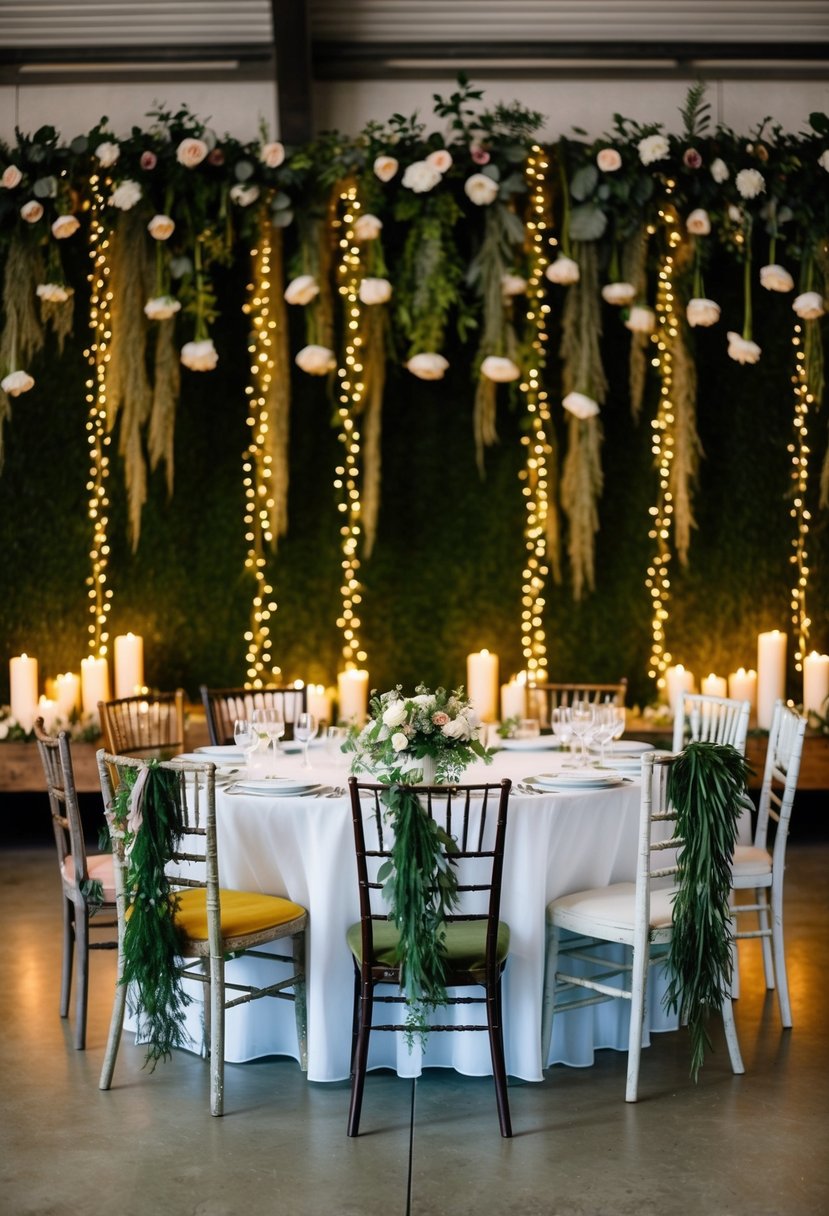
(628, 764)
(293, 746)
(625, 747)
(538, 743)
(195, 757)
(574, 781)
(226, 751)
(277, 787)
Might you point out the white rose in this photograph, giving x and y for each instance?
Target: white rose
(641, 319)
(199, 356)
(242, 195)
(653, 148)
(125, 196)
(107, 153)
(720, 171)
(301, 290)
(456, 728)
(440, 160)
(375, 291)
(698, 222)
(581, 405)
(53, 293)
(399, 741)
(31, 211)
(11, 177)
(367, 227)
(702, 313)
(316, 360)
(385, 168)
(191, 152)
(161, 227)
(480, 189)
(161, 308)
(65, 226)
(501, 371)
(563, 270)
(609, 160)
(741, 350)
(822, 160)
(750, 183)
(272, 154)
(428, 366)
(16, 383)
(809, 306)
(735, 213)
(618, 293)
(776, 278)
(512, 285)
(420, 177)
(395, 714)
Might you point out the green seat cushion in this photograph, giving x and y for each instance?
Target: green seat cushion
(465, 944)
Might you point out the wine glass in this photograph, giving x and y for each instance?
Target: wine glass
(582, 716)
(604, 726)
(305, 728)
(243, 733)
(562, 724)
(271, 720)
(618, 721)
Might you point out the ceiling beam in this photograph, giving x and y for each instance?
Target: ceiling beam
(292, 52)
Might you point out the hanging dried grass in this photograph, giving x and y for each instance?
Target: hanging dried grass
(581, 331)
(581, 488)
(634, 270)
(686, 443)
(166, 386)
(484, 419)
(278, 399)
(375, 328)
(22, 335)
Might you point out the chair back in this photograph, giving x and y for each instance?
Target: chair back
(704, 719)
(56, 758)
(658, 842)
(148, 725)
(543, 698)
(222, 706)
(782, 769)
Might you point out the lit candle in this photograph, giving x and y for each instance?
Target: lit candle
(352, 686)
(319, 702)
(678, 681)
(47, 709)
(129, 664)
(23, 690)
(482, 684)
(742, 685)
(771, 674)
(714, 686)
(514, 698)
(67, 694)
(816, 683)
(94, 684)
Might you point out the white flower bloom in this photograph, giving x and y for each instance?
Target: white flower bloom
(741, 350)
(31, 211)
(125, 196)
(243, 195)
(563, 270)
(420, 177)
(720, 171)
(701, 312)
(581, 405)
(53, 293)
(16, 383)
(735, 213)
(107, 154)
(385, 168)
(512, 285)
(11, 178)
(161, 308)
(641, 319)
(65, 226)
(750, 183)
(428, 366)
(395, 714)
(480, 189)
(272, 154)
(456, 728)
(375, 291)
(316, 360)
(653, 148)
(399, 741)
(809, 305)
(776, 278)
(161, 227)
(440, 160)
(301, 290)
(618, 293)
(499, 370)
(367, 227)
(191, 152)
(199, 356)
(823, 160)
(698, 222)
(609, 160)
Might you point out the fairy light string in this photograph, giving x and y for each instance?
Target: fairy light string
(799, 451)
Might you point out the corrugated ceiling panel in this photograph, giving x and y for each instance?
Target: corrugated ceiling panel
(67, 23)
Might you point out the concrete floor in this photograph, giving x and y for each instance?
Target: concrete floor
(729, 1145)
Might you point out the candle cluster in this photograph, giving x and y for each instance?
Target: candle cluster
(71, 692)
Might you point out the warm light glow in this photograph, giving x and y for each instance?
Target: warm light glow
(799, 451)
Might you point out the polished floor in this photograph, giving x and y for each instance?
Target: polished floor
(755, 1144)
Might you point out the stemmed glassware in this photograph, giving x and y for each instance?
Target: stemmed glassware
(562, 724)
(604, 727)
(270, 720)
(243, 733)
(582, 717)
(305, 728)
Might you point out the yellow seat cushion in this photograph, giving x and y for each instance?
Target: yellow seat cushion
(243, 912)
(465, 944)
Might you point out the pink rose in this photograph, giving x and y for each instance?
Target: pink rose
(272, 154)
(691, 158)
(609, 160)
(31, 211)
(148, 160)
(440, 160)
(479, 155)
(440, 718)
(191, 152)
(216, 157)
(11, 177)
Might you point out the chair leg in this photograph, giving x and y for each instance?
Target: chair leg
(731, 1039)
(496, 1049)
(358, 1072)
(553, 934)
(300, 1009)
(82, 980)
(779, 948)
(116, 1025)
(639, 980)
(68, 954)
(761, 897)
(216, 996)
(355, 1019)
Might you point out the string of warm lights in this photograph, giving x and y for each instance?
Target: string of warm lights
(257, 464)
(537, 441)
(351, 389)
(799, 451)
(662, 446)
(100, 596)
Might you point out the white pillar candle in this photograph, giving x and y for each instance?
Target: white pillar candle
(742, 685)
(482, 684)
(714, 686)
(771, 674)
(23, 690)
(47, 709)
(94, 684)
(67, 694)
(352, 687)
(678, 681)
(816, 683)
(319, 703)
(129, 664)
(514, 699)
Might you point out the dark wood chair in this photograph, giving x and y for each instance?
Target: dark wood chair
(149, 724)
(79, 871)
(222, 706)
(476, 943)
(543, 698)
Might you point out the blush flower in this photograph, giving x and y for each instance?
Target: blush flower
(823, 160)
(440, 159)
(618, 293)
(609, 160)
(148, 161)
(11, 178)
(563, 271)
(367, 227)
(480, 189)
(315, 360)
(641, 319)
(440, 718)
(499, 370)
(691, 158)
(479, 155)
(742, 350)
(161, 227)
(65, 226)
(701, 312)
(580, 405)
(161, 308)
(53, 293)
(512, 285)
(428, 366)
(199, 356)
(385, 167)
(698, 222)
(272, 154)
(31, 211)
(809, 305)
(16, 383)
(301, 290)
(191, 152)
(776, 278)
(375, 291)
